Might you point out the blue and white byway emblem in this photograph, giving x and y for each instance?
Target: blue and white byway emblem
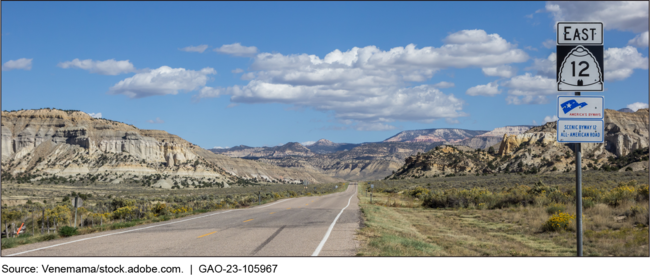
(571, 104)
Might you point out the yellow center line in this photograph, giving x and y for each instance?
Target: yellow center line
(248, 220)
(288, 208)
(207, 234)
(271, 213)
(306, 204)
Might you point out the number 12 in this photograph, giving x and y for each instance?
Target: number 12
(573, 64)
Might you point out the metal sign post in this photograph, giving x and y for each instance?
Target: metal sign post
(76, 204)
(580, 67)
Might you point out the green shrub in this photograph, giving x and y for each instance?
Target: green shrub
(8, 243)
(47, 237)
(555, 208)
(67, 231)
(588, 202)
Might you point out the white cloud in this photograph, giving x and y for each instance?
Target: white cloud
(156, 121)
(490, 89)
(237, 49)
(363, 126)
(370, 85)
(529, 89)
(198, 49)
(531, 48)
(21, 63)
(95, 115)
(549, 43)
(535, 123)
(550, 119)
(620, 15)
(237, 71)
(215, 92)
(636, 106)
(528, 99)
(106, 67)
(162, 81)
(308, 143)
(505, 71)
(640, 40)
(620, 62)
(221, 147)
(545, 67)
(444, 84)
(248, 76)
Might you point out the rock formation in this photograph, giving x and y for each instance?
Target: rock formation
(71, 143)
(434, 135)
(536, 151)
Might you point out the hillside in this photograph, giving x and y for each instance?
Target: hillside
(435, 135)
(71, 144)
(324, 146)
(536, 151)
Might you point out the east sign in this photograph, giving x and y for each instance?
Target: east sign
(580, 64)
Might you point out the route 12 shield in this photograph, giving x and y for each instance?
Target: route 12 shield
(580, 68)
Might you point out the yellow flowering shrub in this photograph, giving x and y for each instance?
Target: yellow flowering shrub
(123, 212)
(559, 221)
(620, 194)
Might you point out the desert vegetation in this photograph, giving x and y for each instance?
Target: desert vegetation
(47, 211)
(506, 215)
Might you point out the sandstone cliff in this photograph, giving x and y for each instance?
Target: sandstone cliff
(536, 151)
(73, 144)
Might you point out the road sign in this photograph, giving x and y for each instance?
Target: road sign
(77, 202)
(580, 64)
(580, 107)
(580, 68)
(580, 33)
(372, 186)
(580, 131)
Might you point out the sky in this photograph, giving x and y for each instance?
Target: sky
(222, 74)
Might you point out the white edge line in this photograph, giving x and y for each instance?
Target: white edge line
(329, 230)
(55, 245)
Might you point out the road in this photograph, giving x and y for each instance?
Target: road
(302, 226)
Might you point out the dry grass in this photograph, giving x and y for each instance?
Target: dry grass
(396, 225)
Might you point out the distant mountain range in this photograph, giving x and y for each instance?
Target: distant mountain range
(370, 160)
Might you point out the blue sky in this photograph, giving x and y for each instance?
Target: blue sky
(267, 73)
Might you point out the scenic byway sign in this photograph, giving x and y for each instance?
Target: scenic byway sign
(580, 65)
(580, 107)
(580, 131)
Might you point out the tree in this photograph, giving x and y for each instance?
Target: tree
(491, 150)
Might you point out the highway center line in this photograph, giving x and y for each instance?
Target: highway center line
(248, 220)
(208, 234)
(55, 245)
(329, 230)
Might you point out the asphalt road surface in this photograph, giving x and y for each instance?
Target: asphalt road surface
(305, 226)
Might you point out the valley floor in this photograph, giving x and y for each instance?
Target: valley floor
(398, 225)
